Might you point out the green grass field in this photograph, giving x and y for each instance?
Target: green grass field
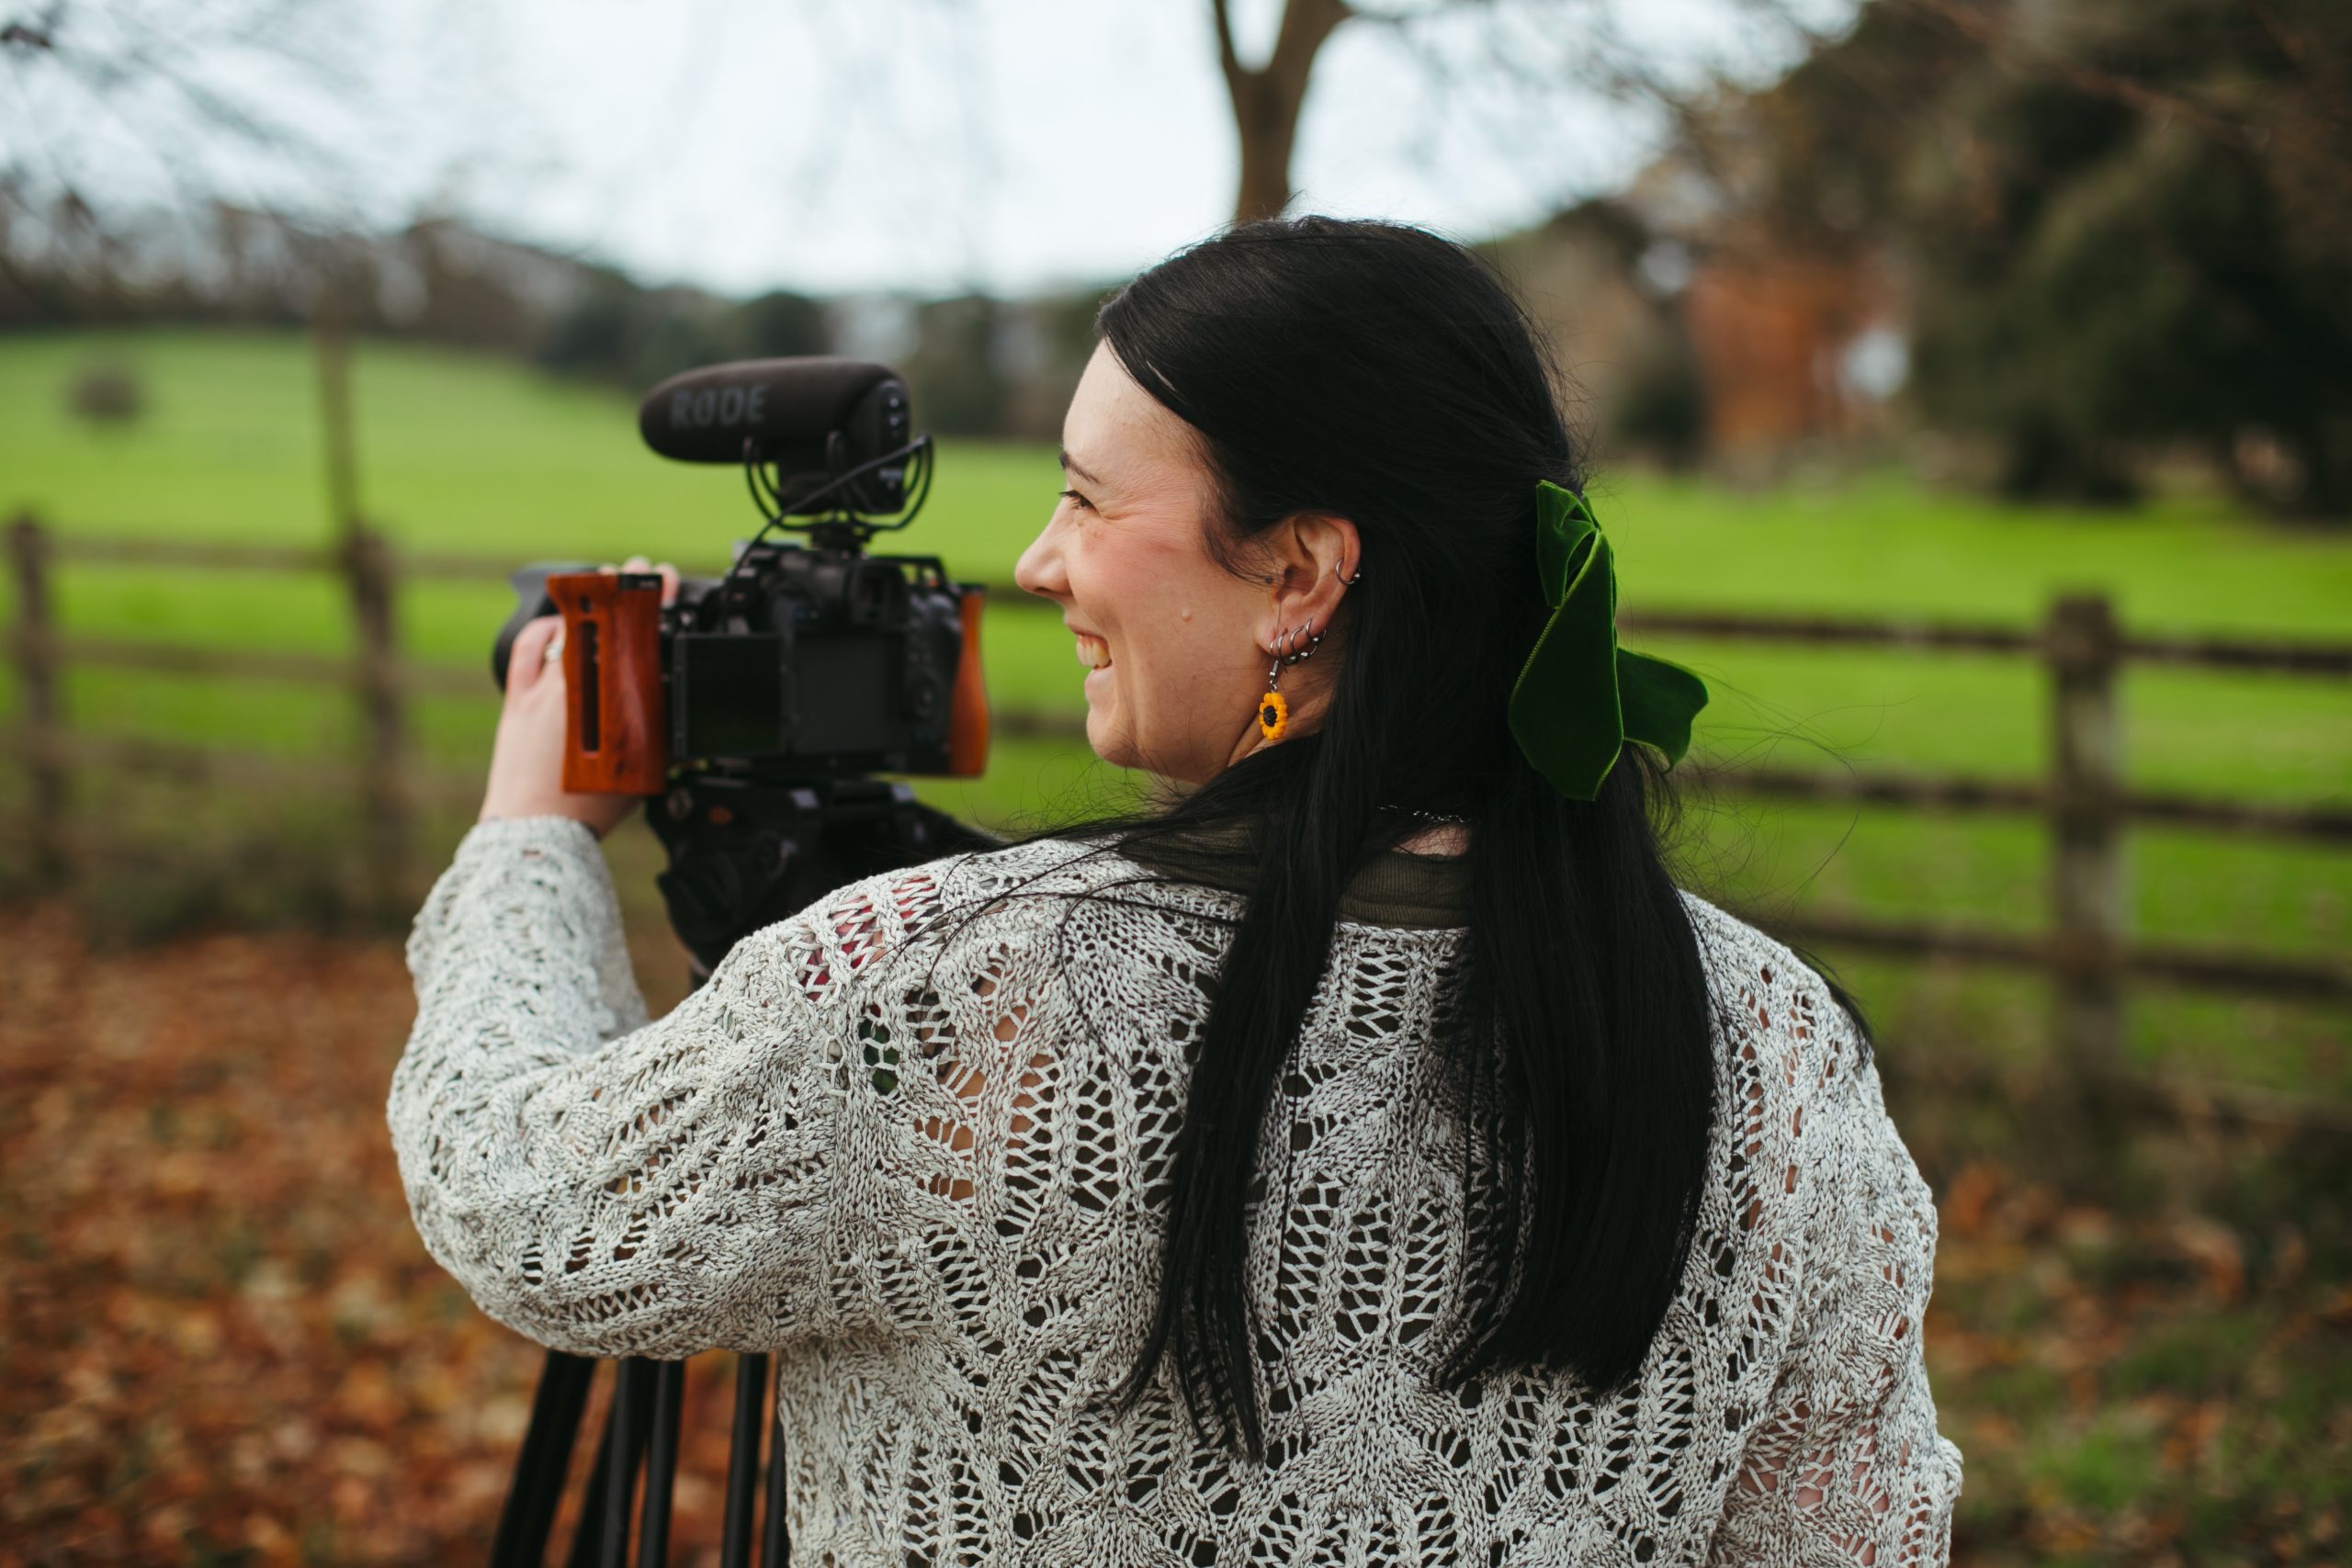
(468, 453)
(2081, 1362)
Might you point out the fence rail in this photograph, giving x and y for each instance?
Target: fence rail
(2276, 656)
(2086, 951)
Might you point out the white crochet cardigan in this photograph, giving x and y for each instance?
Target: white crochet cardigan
(921, 1164)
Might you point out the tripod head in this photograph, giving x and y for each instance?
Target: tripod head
(744, 854)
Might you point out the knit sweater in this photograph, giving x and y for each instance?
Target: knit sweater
(913, 1142)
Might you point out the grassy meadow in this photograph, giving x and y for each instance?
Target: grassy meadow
(468, 453)
(476, 455)
(2127, 1387)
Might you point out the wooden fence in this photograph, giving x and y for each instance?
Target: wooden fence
(2087, 951)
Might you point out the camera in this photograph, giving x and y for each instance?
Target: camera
(750, 709)
(813, 659)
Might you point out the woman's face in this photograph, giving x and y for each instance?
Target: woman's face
(1176, 646)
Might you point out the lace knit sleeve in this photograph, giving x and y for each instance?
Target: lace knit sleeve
(602, 1184)
(1844, 1467)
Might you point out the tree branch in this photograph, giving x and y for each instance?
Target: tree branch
(1229, 58)
(2090, 80)
(1306, 24)
(1267, 100)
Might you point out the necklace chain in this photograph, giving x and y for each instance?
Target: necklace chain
(1426, 816)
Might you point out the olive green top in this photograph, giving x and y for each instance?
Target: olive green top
(1396, 887)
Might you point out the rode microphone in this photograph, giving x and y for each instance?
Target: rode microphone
(812, 420)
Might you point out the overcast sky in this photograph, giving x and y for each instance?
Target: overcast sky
(925, 144)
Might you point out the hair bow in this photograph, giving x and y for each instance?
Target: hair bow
(1580, 697)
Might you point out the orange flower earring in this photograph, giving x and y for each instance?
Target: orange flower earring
(1274, 708)
(1273, 711)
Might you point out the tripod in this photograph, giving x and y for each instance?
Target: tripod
(744, 854)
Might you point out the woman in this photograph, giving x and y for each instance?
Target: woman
(1370, 1157)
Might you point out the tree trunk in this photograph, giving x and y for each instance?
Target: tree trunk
(1267, 100)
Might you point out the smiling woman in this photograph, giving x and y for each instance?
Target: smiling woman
(1227, 1183)
(1124, 555)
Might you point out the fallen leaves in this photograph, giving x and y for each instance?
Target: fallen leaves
(2153, 1388)
(220, 1339)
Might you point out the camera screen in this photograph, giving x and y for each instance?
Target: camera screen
(731, 693)
(848, 694)
(736, 704)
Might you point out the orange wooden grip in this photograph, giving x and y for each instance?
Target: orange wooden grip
(616, 733)
(968, 732)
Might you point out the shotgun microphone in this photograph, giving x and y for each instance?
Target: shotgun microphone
(808, 420)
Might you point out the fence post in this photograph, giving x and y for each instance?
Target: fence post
(331, 345)
(368, 559)
(36, 683)
(2087, 897)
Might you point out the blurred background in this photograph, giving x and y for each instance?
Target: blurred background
(1970, 388)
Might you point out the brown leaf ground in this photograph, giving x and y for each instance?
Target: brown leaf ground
(221, 1342)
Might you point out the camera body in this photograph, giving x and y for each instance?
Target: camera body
(801, 662)
(829, 663)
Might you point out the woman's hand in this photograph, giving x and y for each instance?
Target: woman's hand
(527, 759)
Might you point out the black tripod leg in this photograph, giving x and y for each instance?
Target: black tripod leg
(632, 1420)
(537, 1487)
(662, 1463)
(775, 1546)
(587, 1534)
(743, 1459)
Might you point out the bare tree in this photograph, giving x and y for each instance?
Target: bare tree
(1506, 63)
(1267, 98)
(1497, 65)
(109, 106)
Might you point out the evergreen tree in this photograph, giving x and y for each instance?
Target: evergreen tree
(2128, 224)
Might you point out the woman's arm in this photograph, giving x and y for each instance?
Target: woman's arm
(1844, 1465)
(600, 1184)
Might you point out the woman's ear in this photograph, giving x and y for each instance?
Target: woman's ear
(1314, 552)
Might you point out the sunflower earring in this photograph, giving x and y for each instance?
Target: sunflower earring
(1274, 708)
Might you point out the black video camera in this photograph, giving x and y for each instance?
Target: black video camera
(754, 704)
(812, 660)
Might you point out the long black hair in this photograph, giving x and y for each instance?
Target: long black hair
(1379, 373)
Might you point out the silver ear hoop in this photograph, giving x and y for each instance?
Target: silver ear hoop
(1350, 581)
(1287, 649)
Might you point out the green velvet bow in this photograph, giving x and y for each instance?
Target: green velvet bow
(1580, 697)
